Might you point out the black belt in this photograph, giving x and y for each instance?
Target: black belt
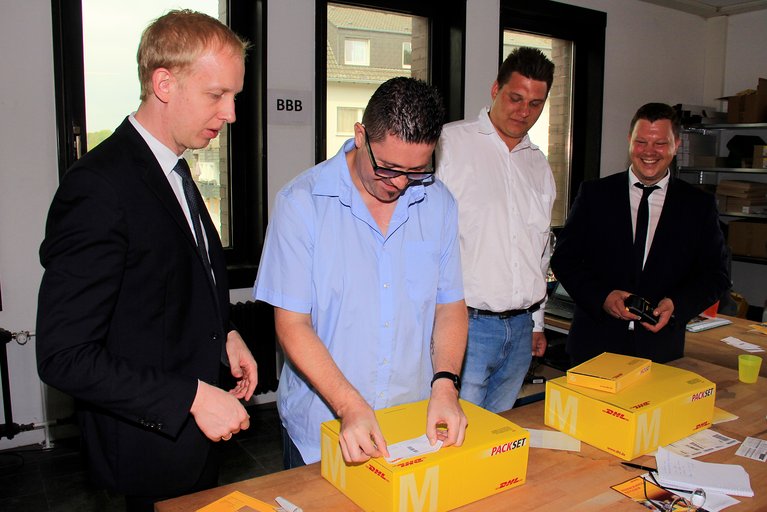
(505, 314)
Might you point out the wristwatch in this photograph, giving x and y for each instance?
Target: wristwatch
(448, 375)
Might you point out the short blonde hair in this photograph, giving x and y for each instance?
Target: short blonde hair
(176, 39)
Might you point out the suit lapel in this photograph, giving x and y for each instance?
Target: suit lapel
(157, 182)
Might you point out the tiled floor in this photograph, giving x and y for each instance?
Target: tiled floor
(56, 480)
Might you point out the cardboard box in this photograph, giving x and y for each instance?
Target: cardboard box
(742, 188)
(609, 372)
(668, 405)
(760, 157)
(492, 459)
(747, 238)
(749, 106)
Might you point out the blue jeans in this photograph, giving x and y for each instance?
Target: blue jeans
(291, 457)
(498, 357)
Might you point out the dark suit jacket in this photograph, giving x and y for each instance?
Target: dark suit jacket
(127, 319)
(593, 257)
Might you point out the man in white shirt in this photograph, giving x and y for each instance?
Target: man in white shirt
(505, 191)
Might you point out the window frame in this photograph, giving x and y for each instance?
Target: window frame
(247, 144)
(586, 28)
(447, 31)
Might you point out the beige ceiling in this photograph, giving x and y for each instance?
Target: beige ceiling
(711, 8)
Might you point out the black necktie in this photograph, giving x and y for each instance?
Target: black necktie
(193, 201)
(640, 236)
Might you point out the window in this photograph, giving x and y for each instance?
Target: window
(407, 54)
(95, 71)
(552, 132)
(359, 48)
(574, 37)
(357, 52)
(347, 116)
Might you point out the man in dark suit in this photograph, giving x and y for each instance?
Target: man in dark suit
(133, 317)
(677, 262)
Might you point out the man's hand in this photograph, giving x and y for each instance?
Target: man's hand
(360, 437)
(664, 311)
(445, 420)
(616, 307)
(539, 343)
(243, 366)
(218, 414)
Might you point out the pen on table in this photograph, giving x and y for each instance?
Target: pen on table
(639, 466)
(286, 505)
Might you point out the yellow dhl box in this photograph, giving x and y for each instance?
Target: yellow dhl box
(609, 372)
(493, 458)
(668, 405)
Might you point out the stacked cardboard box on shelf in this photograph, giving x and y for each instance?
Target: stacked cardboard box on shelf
(741, 196)
(696, 150)
(749, 106)
(748, 238)
(760, 157)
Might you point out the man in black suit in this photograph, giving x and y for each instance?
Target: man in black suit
(133, 314)
(677, 262)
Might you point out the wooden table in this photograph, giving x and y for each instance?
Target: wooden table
(556, 480)
(707, 345)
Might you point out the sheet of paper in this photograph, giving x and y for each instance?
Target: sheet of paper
(743, 345)
(411, 448)
(683, 473)
(753, 448)
(701, 443)
(553, 440)
(722, 416)
(237, 502)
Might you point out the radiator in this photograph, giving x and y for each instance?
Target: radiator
(255, 323)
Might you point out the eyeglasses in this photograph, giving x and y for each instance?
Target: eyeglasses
(695, 502)
(384, 172)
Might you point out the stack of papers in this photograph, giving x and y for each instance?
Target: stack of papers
(702, 323)
(679, 472)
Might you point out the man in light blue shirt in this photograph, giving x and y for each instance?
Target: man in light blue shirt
(361, 262)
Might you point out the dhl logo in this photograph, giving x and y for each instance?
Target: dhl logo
(505, 447)
(702, 394)
(410, 462)
(508, 483)
(378, 472)
(702, 425)
(615, 414)
(639, 406)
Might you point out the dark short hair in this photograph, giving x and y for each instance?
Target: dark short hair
(655, 112)
(528, 62)
(407, 108)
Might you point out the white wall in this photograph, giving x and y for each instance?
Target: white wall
(28, 178)
(652, 54)
(746, 54)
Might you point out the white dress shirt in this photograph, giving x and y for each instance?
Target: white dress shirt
(167, 160)
(654, 202)
(504, 211)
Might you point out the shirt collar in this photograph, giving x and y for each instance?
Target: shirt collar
(486, 127)
(662, 184)
(164, 156)
(334, 179)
